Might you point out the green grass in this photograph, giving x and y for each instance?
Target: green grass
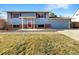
(37, 44)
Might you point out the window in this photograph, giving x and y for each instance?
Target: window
(77, 14)
(41, 26)
(40, 15)
(15, 26)
(15, 15)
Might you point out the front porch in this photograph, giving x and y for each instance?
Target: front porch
(29, 23)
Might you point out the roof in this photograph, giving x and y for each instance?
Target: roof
(76, 12)
(28, 11)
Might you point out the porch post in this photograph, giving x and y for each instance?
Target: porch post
(22, 24)
(34, 23)
(69, 24)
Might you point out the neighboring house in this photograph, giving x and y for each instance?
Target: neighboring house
(3, 24)
(75, 20)
(35, 20)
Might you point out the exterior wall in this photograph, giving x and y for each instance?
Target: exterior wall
(47, 15)
(60, 24)
(42, 21)
(75, 20)
(8, 17)
(2, 24)
(75, 24)
(48, 23)
(9, 27)
(75, 17)
(17, 21)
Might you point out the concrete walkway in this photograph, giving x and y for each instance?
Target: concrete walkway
(36, 30)
(32, 31)
(74, 34)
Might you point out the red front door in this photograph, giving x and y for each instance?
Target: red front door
(29, 24)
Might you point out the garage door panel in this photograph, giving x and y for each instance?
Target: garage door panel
(60, 24)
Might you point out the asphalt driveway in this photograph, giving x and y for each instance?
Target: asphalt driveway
(73, 33)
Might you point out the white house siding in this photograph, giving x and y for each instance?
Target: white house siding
(75, 20)
(9, 18)
(15, 21)
(57, 24)
(42, 21)
(47, 15)
(75, 17)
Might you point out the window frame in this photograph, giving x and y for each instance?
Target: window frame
(15, 26)
(41, 25)
(38, 15)
(15, 15)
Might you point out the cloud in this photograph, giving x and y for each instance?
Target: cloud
(57, 6)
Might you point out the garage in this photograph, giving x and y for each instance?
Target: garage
(75, 20)
(60, 23)
(75, 24)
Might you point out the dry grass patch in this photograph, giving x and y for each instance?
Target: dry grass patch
(37, 44)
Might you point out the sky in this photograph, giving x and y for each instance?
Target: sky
(59, 9)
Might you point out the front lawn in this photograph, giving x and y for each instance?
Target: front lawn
(37, 44)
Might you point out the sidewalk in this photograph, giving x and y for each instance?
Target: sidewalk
(74, 34)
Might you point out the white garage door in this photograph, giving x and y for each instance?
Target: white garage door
(60, 24)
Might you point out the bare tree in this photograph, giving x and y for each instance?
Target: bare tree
(52, 15)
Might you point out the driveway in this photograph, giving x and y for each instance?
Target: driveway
(73, 33)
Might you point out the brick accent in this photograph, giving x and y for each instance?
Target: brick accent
(9, 27)
(36, 26)
(47, 25)
(75, 24)
(20, 26)
(33, 26)
(25, 25)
